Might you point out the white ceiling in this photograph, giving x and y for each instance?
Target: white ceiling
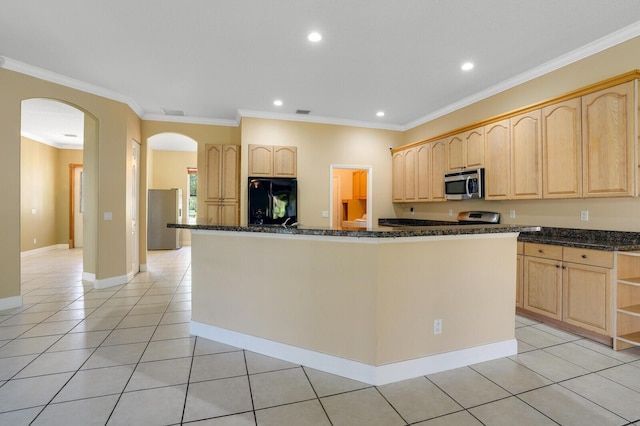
(216, 60)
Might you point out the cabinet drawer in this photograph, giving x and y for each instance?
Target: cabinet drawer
(543, 250)
(588, 257)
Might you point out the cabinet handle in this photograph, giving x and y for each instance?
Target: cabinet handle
(564, 267)
(584, 256)
(539, 250)
(557, 266)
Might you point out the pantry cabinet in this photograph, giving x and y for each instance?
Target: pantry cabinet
(359, 190)
(272, 161)
(609, 142)
(572, 285)
(222, 190)
(562, 150)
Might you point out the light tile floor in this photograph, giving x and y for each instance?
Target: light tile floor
(73, 355)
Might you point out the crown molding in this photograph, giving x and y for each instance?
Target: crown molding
(610, 40)
(42, 74)
(318, 120)
(191, 120)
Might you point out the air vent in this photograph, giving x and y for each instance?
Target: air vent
(303, 111)
(174, 112)
(70, 135)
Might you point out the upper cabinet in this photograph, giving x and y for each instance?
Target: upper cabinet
(526, 156)
(466, 150)
(562, 150)
(608, 142)
(497, 177)
(221, 171)
(577, 147)
(272, 161)
(359, 185)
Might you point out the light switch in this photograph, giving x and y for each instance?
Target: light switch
(33, 211)
(108, 216)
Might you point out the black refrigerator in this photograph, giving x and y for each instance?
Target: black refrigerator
(273, 201)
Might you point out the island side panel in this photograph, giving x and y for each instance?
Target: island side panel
(467, 282)
(318, 294)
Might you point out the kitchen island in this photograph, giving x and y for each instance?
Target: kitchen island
(376, 306)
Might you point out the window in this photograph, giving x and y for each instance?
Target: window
(193, 190)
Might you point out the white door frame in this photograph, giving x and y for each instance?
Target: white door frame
(135, 206)
(369, 170)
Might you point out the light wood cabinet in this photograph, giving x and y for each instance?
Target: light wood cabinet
(562, 150)
(587, 289)
(438, 169)
(359, 180)
(223, 214)
(222, 164)
(526, 156)
(543, 280)
(608, 142)
(520, 275)
(423, 172)
(272, 161)
(397, 176)
(497, 177)
(466, 150)
(572, 285)
(627, 332)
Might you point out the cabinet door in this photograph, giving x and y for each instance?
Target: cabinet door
(474, 141)
(608, 142)
(423, 172)
(543, 286)
(260, 160)
(228, 215)
(497, 178)
(438, 169)
(397, 177)
(587, 297)
(456, 152)
(363, 177)
(562, 150)
(519, 283)
(230, 183)
(285, 161)
(410, 174)
(213, 163)
(526, 156)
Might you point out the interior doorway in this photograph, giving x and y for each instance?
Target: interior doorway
(76, 205)
(351, 196)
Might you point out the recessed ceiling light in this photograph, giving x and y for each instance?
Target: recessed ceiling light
(277, 102)
(315, 37)
(380, 113)
(467, 66)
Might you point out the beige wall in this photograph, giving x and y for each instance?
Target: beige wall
(66, 157)
(319, 146)
(611, 213)
(170, 171)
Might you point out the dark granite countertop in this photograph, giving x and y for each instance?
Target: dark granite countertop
(568, 237)
(382, 232)
(584, 238)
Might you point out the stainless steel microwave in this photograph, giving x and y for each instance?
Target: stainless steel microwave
(464, 185)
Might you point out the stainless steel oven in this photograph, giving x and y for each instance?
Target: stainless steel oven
(464, 185)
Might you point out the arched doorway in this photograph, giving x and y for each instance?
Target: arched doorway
(57, 140)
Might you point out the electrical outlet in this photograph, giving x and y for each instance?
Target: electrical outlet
(411, 210)
(325, 213)
(34, 241)
(450, 212)
(512, 214)
(437, 326)
(584, 215)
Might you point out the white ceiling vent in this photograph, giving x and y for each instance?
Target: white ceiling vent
(174, 112)
(303, 111)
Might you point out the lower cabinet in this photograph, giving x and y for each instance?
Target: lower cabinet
(570, 285)
(519, 275)
(224, 214)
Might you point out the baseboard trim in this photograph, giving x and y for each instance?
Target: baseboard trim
(373, 375)
(10, 302)
(113, 281)
(89, 277)
(28, 253)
